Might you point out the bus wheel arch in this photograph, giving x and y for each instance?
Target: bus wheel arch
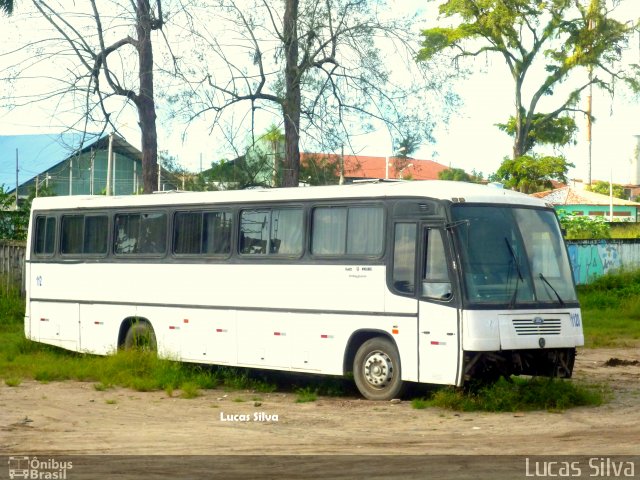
(137, 333)
(374, 359)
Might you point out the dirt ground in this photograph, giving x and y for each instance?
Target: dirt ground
(73, 418)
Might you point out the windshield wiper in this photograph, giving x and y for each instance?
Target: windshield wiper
(514, 297)
(542, 277)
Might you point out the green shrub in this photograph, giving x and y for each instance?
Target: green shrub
(517, 394)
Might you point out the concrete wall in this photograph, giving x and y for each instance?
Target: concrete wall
(593, 258)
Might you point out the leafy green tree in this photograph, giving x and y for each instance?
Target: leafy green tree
(583, 228)
(459, 175)
(9, 216)
(455, 174)
(564, 36)
(603, 188)
(14, 222)
(532, 173)
(407, 145)
(557, 131)
(320, 170)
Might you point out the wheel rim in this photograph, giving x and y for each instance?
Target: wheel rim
(378, 370)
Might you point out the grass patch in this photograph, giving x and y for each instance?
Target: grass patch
(189, 390)
(306, 394)
(611, 310)
(12, 382)
(420, 403)
(517, 394)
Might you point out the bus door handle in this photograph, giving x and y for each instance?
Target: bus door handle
(426, 333)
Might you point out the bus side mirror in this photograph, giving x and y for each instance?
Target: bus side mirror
(437, 290)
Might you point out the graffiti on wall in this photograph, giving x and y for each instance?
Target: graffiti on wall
(591, 260)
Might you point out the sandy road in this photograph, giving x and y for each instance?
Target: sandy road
(73, 418)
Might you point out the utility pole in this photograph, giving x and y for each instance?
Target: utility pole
(17, 170)
(341, 181)
(109, 164)
(590, 26)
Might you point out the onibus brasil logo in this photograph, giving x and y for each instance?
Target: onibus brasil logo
(36, 469)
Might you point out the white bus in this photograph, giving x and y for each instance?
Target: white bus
(430, 282)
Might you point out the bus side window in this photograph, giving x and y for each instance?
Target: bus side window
(436, 283)
(404, 257)
(44, 237)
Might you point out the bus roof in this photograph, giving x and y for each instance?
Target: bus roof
(436, 189)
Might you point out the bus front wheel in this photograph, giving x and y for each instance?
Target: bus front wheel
(140, 336)
(376, 369)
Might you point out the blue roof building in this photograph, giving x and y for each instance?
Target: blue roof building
(68, 164)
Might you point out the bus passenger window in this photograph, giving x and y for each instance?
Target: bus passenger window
(357, 230)
(436, 283)
(95, 234)
(45, 235)
(286, 231)
(272, 232)
(254, 232)
(216, 233)
(137, 233)
(71, 241)
(404, 257)
(84, 234)
(187, 231)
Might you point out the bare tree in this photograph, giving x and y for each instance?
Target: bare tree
(101, 51)
(327, 68)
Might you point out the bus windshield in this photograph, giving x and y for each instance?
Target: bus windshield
(512, 256)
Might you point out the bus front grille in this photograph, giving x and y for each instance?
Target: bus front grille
(537, 326)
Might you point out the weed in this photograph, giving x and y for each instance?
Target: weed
(111, 402)
(419, 403)
(12, 382)
(101, 387)
(189, 390)
(306, 394)
(517, 394)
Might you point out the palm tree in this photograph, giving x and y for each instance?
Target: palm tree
(275, 137)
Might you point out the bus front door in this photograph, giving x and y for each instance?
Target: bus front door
(438, 316)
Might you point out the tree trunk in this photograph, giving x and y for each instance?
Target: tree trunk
(291, 105)
(144, 100)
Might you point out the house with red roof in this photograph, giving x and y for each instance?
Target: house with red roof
(365, 167)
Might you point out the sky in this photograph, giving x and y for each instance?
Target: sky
(469, 140)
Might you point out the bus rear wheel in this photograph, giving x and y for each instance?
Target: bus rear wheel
(376, 369)
(140, 336)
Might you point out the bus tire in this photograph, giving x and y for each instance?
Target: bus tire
(376, 369)
(140, 336)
